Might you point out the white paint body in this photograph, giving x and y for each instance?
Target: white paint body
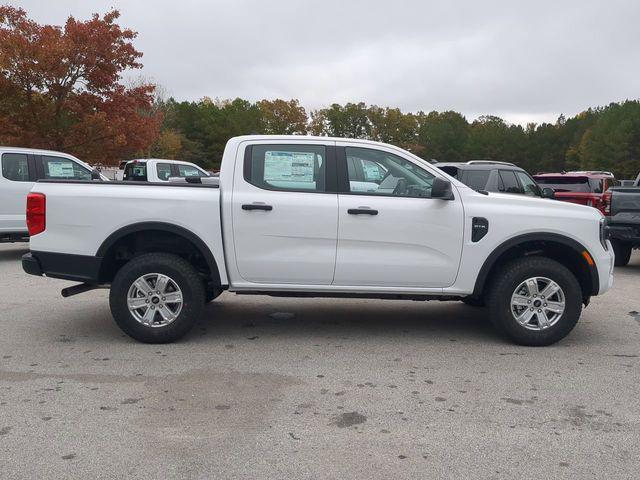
(308, 243)
(13, 194)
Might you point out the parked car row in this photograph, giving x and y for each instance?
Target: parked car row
(20, 168)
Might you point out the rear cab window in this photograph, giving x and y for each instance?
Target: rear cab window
(136, 171)
(566, 184)
(298, 168)
(15, 167)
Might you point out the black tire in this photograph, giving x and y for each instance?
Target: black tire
(185, 277)
(474, 302)
(504, 284)
(622, 252)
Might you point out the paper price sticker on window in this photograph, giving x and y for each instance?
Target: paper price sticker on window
(60, 169)
(288, 166)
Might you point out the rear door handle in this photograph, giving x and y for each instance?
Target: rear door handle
(257, 206)
(362, 211)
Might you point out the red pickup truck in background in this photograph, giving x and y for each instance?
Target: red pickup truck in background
(585, 188)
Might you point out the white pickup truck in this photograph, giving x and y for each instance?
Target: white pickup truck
(160, 170)
(286, 220)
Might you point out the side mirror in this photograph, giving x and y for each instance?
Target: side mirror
(548, 192)
(441, 189)
(95, 175)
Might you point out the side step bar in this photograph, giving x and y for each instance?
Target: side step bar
(80, 288)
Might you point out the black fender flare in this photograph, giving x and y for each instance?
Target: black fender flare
(490, 261)
(202, 247)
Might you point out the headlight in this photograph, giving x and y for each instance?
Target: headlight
(603, 233)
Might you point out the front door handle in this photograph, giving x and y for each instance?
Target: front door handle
(257, 206)
(362, 211)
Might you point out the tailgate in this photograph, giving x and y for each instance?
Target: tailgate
(625, 205)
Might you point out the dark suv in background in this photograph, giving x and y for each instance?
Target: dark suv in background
(494, 176)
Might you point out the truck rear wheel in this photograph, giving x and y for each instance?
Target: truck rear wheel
(156, 297)
(535, 301)
(622, 252)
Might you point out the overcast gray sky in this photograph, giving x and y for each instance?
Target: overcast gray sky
(524, 61)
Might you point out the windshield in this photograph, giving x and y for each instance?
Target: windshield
(566, 184)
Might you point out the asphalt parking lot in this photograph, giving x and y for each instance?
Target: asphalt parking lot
(305, 388)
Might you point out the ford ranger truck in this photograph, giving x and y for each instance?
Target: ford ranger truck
(287, 218)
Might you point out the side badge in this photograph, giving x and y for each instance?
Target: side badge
(479, 228)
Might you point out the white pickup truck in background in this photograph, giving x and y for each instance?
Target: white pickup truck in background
(288, 219)
(160, 170)
(20, 168)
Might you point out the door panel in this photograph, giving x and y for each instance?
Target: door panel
(15, 184)
(281, 235)
(411, 242)
(393, 234)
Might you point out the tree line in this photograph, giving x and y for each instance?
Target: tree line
(601, 138)
(61, 88)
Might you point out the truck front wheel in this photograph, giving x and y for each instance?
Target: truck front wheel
(622, 252)
(156, 297)
(535, 301)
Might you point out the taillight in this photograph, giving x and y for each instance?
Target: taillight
(606, 200)
(36, 213)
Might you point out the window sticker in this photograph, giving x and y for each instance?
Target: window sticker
(288, 166)
(60, 169)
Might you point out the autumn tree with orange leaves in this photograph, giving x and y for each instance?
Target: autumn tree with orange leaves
(61, 88)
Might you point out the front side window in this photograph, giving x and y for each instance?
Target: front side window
(388, 174)
(15, 167)
(163, 170)
(189, 171)
(508, 182)
(287, 167)
(529, 185)
(63, 168)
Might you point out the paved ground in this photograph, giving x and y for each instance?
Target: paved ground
(280, 388)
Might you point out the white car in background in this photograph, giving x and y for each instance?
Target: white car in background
(20, 168)
(160, 170)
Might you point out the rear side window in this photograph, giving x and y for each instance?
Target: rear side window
(477, 179)
(15, 167)
(136, 172)
(287, 167)
(163, 170)
(63, 168)
(509, 183)
(597, 185)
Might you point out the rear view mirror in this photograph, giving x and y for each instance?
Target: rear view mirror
(95, 175)
(548, 192)
(441, 189)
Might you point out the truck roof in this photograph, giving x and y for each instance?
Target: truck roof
(39, 151)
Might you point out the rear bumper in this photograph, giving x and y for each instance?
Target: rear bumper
(10, 237)
(80, 268)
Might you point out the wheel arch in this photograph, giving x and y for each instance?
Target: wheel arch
(106, 251)
(561, 248)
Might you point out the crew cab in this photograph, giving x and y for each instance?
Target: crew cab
(287, 218)
(624, 221)
(584, 188)
(160, 170)
(20, 168)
